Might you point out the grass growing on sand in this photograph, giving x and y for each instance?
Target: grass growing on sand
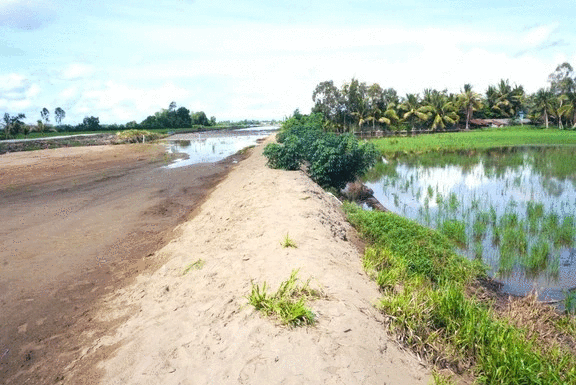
(427, 295)
(288, 303)
(477, 139)
(194, 266)
(288, 242)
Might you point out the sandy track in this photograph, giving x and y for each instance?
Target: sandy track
(198, 329)
(76, 224)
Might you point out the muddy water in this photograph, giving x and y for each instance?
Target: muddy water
(522, 197)
(213, 146)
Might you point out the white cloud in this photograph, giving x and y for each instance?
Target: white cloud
(538, 35)
(76, 71)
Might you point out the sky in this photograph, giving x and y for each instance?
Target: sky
(122, 60)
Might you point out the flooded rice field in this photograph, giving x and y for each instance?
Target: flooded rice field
(515, 209)
(213, 146)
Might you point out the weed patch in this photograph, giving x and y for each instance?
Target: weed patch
(424, 294)
(288, 242)
(194, 266)
(288, 303)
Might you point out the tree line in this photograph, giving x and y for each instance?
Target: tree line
(357, 106)
(172, 117)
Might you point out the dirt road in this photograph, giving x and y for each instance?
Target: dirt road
(180, 325)
(77, 224)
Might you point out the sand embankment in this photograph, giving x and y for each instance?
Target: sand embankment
(198, 329)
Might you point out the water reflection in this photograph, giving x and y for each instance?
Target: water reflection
(514, 209)
(203, 149)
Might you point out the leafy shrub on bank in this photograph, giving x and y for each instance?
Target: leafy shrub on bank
(333, 160)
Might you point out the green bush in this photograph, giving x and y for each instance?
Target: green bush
(333, 160)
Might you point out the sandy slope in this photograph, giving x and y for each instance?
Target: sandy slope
(198, 329)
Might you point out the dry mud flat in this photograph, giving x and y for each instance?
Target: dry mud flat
(196, 328)
(77, 224)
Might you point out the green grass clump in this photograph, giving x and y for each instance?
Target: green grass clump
(424, 285)
(455, 230)
(570, 302)
(288, 242)
(536, 260)
(288, 303)
(194, 266)
(564, 235)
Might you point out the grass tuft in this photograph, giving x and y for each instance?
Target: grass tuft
(194, 266)
(288, 303)
(288, 242)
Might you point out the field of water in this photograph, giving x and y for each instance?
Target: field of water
(515, 209)
(214, 146)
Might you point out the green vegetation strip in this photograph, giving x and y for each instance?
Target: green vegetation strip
(424, 285)
(473, 140)
(288, 303)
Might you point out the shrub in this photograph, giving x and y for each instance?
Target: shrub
(334, 160)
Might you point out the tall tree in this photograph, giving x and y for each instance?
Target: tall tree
(568, 109)
(327, 98)
(410, 108)
(440, 110)
(12, 124)
(45, 114)
(562, 80)
(543, 102)
(59, 114)
(469, 101)
(172, 107)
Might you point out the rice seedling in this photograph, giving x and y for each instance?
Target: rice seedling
(535, 261)
(570, 302)
(288, 303)
(288, 242)
(480, 225)
(507, 260)
(554, 266)
(478, 250)
(564, 235)
(453, 202)
(430, 191)
(493, 217)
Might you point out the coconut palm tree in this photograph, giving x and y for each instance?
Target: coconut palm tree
(409, 109)
(543, 104)
(568, 108)
(439, 109)
(469, 101)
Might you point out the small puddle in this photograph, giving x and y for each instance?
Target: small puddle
(212, 147)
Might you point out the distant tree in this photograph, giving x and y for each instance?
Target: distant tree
(45, 114)
(182, 118)
(172, 107)
(91, 123)
(469, 101)
(562, 80)
(213, 121)
(59, 114)
(440, 110)
(410, 109)
(199, 118)
(13, 125)
(568, 109)
(543, 104)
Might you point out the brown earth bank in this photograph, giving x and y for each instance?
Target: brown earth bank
(189, 321)
(76, 225)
